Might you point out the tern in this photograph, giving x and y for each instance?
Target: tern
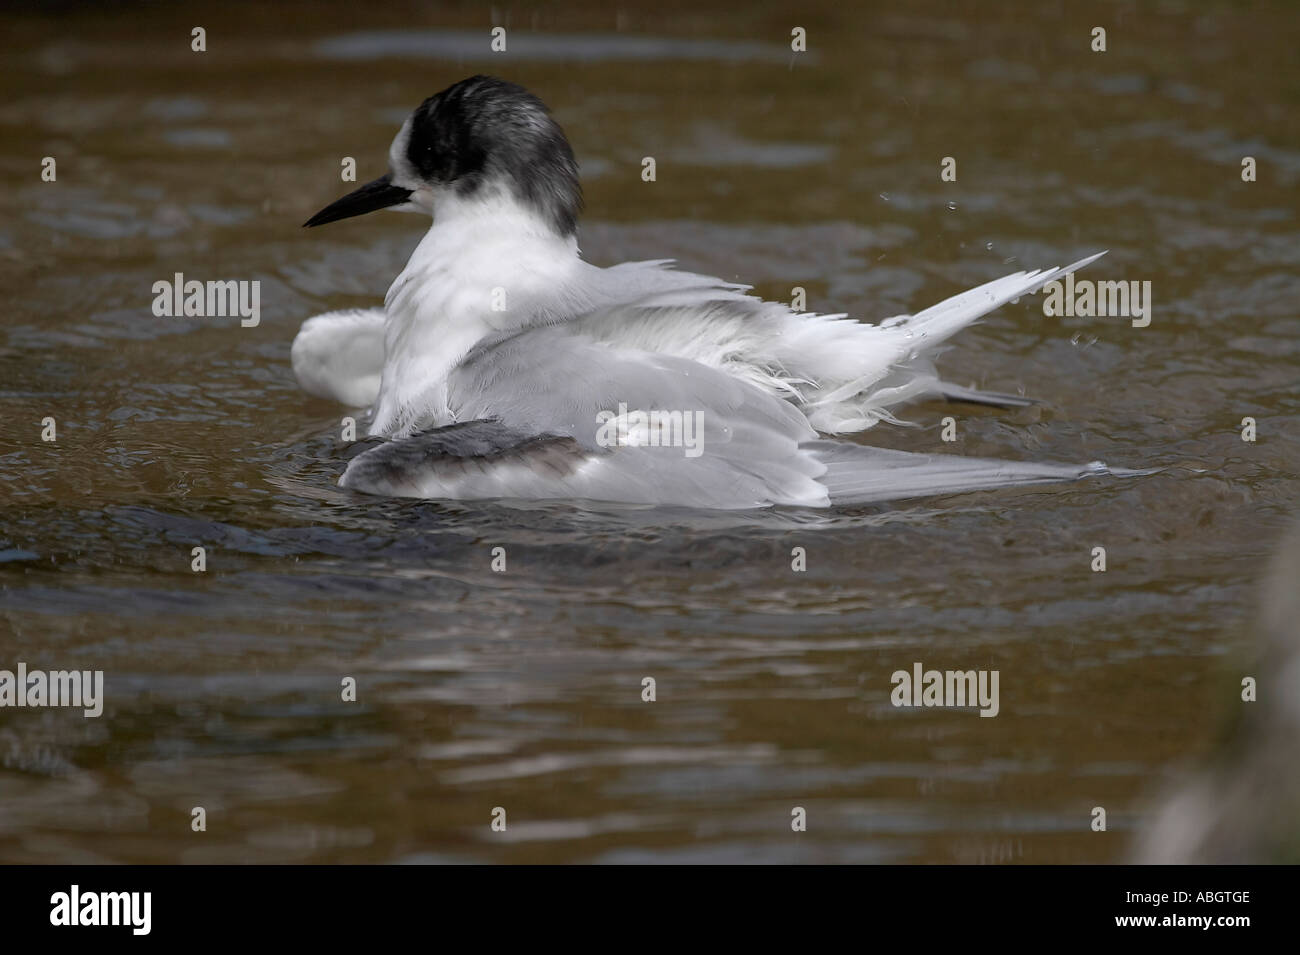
(504, 366)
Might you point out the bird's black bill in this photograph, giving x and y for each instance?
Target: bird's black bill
(379, 194)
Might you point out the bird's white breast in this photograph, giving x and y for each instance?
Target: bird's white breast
(486, 265)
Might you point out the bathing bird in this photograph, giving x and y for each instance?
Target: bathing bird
(504, 366)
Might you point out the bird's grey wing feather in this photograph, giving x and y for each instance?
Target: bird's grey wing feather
(739, 446)
(469, 459)
(530, 403)
(857, 474)
(973, 396)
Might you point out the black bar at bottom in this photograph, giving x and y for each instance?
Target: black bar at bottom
(332, 904)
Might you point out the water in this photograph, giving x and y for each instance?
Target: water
(522, 689)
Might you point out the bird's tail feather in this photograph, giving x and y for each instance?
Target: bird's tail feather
(942, 321)
(864, 371)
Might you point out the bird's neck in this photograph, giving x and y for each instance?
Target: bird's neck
(487, 264)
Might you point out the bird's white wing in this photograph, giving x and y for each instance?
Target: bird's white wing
(845, 374)
(340, 355)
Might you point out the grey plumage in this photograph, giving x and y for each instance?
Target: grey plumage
(528, 438)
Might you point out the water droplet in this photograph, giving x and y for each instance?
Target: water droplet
(884, 196)
(988, 246)
(952, 207)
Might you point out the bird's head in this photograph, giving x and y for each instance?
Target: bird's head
(476, 136)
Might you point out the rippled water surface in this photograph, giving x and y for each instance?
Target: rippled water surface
(523, 689)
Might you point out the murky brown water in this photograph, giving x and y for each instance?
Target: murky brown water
(523, 689)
